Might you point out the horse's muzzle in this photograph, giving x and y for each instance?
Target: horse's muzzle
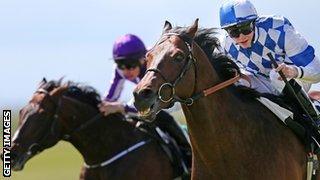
(144, 99)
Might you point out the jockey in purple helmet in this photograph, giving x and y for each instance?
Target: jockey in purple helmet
(129, 55)
(251, 37)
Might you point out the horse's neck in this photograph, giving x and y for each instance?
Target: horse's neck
(228, 133)
(105, 139)
(215, 116)
(214, 113)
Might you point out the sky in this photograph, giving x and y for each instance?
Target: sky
(74, 38)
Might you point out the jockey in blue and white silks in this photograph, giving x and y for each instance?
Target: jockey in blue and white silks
(251, 37)
(276, 34)
(273, 34)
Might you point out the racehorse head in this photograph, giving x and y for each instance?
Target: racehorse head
(170, 71)
(48, 118)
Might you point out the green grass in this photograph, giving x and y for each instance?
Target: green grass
(62, 162)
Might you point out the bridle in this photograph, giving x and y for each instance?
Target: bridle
(190, 60)
(37, 147)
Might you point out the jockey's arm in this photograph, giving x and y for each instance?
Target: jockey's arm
(107, 107)
(109, 102)
(116, 87)
(302, 55)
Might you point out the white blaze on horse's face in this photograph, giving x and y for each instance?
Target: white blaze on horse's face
(16, 134)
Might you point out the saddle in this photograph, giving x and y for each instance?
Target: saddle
(299, 123)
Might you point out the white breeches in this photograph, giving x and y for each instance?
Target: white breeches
(267, 85)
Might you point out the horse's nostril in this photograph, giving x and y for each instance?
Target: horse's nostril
(144, 99)
(146, 93)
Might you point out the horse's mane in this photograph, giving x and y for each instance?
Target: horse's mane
(83, 93)
(226, 68)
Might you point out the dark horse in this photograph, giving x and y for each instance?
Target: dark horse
(232, 137)
(112, 148)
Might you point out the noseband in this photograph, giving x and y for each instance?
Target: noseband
(190, 60)
(39, 146)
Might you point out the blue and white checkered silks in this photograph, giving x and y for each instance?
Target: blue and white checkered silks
(276, 34)
(235, 12)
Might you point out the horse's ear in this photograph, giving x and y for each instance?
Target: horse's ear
(60, 80)
(42, 82)
(167, 26)
(192, 30)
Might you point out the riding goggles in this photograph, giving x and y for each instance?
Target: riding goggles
(128, 64)
(245, 29)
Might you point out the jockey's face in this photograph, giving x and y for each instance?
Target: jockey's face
(130, 68)
(242, 34)
(244, 40)
(131, 73)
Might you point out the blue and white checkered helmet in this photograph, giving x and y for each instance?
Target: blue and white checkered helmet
(235, 12)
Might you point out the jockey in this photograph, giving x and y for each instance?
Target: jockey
(251, 37)
(129, 57)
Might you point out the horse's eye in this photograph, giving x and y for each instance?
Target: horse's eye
(179, 57)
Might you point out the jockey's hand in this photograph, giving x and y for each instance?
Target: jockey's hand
(107, 108)
(289, 72)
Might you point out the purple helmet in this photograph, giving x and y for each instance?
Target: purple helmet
(128, 46)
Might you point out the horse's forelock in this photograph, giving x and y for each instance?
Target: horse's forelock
(49, 86)
(83, 93)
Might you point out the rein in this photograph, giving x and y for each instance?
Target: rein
(37, 147)
(117, 156)
(190, 60)
(56, 117)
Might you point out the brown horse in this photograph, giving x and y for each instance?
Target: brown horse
(112, 148)
(232, 136)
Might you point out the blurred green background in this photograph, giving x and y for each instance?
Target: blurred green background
(62, 161)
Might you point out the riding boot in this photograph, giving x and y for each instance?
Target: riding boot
(304, 101)
(167, 123)
(310, 108)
